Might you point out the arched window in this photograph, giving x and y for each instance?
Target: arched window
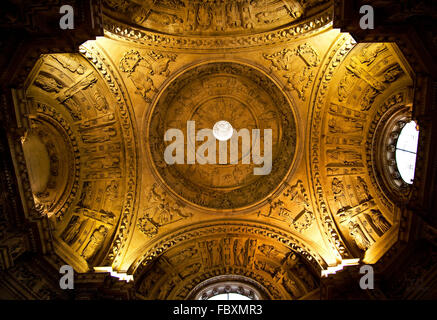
(228, 287)
(229, 296)
(406, 149)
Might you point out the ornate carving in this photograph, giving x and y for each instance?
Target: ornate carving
(160, 210)
(199, 17)
(74, 228)
(209, 93)
(119, 30)
(368, 55)
(360, 67)
(293, 207)
(93, 105)
(61, 147)
(100, 200)
(94, 243)
(130, 149)
(298, 72)
(393, 73)
(378, 221)
(48, 83)
(358, 235)
(239, 247)
(70, 62)
(220, 256)
(33, 281)
(340, 50)
(141, 69)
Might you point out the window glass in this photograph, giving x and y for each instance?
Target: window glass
(406, 149)
(229, 296)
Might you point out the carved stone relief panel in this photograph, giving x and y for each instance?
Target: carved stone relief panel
(141, 69)
(283, 273)
(298, 66)
(170, 224)
(88, 163)
(353, 198)
(292, 206)
(183, 17)
(160, 210)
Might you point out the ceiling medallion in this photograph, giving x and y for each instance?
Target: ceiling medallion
(213, 96)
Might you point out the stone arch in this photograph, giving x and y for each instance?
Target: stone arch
(287, 266)
(68, 90)
(360, 76)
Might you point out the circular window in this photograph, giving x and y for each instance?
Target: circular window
(393, 138)
(406, 149)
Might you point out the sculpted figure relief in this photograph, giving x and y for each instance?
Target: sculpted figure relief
(140, 70)
(184, 255)
(343, 154)
(48, 84)
(269, 250)
(358, 235)
(362, 190)
(291, 286)
(251, 250)
(213, 252)
(381, 224)
(160, 210)
(70, 62)
(100, 136)
(71, 231)
(199, 17)
(298, 72)
(369, 55)
(347, 127)
(339, 194)
(294, 264)
(226, 251)
(238, 252)
(292, 207)
(94, 243)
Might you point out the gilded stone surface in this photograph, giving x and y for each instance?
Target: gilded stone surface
(97, 121)
(245, 98)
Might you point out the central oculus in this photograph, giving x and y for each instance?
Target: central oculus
(222, 130)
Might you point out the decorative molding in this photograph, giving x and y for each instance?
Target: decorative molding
(312, 26)
(130, 146)
(292, 206)
(160, 210)
(342, 47)
(186, 234)
(299, 73)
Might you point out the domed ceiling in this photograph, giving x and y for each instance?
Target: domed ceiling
(247, 99)
(100, 117)
(212, 17)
